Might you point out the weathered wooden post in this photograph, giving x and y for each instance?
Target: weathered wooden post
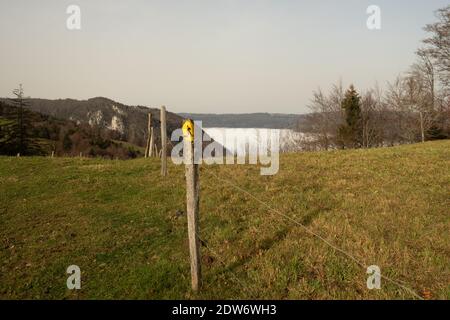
(163, 142)
(53, 154)
(192, 203)
(149, 126)
(150, 153)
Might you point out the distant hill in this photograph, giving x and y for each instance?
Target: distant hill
(115, 121)
(66, 137)
(129, 123)
(247, 120)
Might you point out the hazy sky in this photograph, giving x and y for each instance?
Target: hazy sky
(217, 56)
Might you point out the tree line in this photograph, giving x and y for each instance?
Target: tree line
(413, 108)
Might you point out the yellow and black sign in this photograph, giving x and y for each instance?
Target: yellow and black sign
(188, 130)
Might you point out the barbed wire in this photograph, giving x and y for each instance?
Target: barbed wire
(311, 232)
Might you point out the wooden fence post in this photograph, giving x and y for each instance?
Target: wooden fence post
(151, 147)
(192, 203)
(163, 142)
(149, 125)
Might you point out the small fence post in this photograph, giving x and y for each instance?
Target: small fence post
(149, 125)
(192, 203)
(151, 147)
(163, 142)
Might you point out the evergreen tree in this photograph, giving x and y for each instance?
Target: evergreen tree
(7, 145)
(350, 133)
(16, 128)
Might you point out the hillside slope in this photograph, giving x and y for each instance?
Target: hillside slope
(118, 221)
(129, 122)
(63, 137)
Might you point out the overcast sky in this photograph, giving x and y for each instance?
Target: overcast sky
(216, 56)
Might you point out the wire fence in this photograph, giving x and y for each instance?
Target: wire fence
(312, 233)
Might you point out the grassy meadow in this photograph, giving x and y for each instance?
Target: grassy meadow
(125, 227)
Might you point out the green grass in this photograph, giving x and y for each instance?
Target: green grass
(116, 220)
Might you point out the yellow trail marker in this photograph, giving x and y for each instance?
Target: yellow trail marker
(188, 130)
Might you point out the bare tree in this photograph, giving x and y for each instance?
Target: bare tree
(326, 115)
(422, 77)
(437, 45)
(424, 71)
(372, 118)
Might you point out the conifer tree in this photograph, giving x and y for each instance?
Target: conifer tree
(350, 133)
(16, 128)
(7, 145)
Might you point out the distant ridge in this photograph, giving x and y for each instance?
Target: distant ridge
(247, 120)
(129, 122)
(48, 135)
(121, 122)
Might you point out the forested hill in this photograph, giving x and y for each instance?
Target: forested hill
(43, 134)
(128, 122)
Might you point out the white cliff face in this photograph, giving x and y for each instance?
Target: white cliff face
(118, 110)
(117, 125)
(95, 118)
